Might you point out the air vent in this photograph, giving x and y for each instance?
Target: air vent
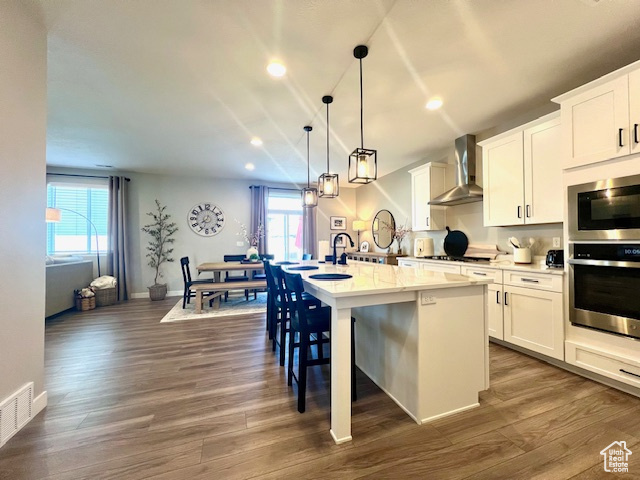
(15, 412)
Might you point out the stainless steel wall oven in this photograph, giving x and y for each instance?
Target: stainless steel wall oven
(604, 255)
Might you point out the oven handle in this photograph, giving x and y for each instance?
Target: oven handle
(604, 263)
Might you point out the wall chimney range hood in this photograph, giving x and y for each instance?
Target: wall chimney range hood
(466, 190)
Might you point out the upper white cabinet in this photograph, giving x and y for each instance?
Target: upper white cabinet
(600, 119)
(522, 174)
(427, 182)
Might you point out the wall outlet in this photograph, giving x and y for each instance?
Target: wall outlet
(556, 242)
(427, 299)
(239, 244)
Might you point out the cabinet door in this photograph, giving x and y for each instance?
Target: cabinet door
(503, 171)
(494, 311)
(634, 111)
(543, 197)
(420, 181)
(592, 122)
(441, 267)
(533, 320)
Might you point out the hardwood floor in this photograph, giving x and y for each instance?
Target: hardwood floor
(130, 398)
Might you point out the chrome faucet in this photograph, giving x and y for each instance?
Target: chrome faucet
(343, 257)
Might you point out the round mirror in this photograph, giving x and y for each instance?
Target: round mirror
(383, 228)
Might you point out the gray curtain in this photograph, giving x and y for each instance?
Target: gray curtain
(259, 199)
(310, 231)
(118, 254)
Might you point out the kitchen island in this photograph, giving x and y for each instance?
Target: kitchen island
(421, 336)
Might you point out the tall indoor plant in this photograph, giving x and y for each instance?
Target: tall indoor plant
(161, 231)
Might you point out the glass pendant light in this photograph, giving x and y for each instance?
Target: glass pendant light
(363, 162)
(328, 186)
(309, 194)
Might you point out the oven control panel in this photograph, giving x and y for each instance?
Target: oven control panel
(607, 251)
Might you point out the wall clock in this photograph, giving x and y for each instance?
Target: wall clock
(206, 219)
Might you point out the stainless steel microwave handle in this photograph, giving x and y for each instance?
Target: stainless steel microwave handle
(604, 263)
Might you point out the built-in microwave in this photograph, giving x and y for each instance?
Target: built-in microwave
(605, 210)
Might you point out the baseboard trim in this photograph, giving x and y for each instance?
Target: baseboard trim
(40, 403)
(172, 293)
(451, 412)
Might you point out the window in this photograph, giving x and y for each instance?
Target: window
(284, 224)
(75, 234)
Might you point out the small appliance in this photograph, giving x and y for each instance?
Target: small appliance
(555, 259)
(423, 247)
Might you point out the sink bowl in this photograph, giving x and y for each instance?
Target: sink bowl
(330, 276)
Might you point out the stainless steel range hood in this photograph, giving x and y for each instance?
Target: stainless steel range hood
(466, 190)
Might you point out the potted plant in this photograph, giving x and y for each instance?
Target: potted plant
(252, 239)
(161, 231)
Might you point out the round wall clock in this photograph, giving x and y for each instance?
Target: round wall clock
(206, 219)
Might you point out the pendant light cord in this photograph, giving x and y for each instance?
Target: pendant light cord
(307, 158)
(327, 138)
(361, 110)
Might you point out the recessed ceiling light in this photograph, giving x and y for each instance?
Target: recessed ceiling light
(250, 166)
(276, 69)
(434, 103)
(256, 141)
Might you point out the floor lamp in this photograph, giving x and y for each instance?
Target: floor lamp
(54, 215)
(359, 226)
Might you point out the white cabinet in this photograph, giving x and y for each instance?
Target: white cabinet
(609, 364)
(443, 267)
(494, 311)
(522, 174)
(408, 263)
(427, 182)
(599, 119)
(533, 320)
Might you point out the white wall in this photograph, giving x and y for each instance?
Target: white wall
(23, 115)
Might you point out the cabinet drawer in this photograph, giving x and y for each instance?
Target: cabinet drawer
(486, 273)
(539, 281)
(441, 267)
(623, 369)
(408, 263)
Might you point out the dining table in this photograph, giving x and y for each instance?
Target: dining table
(421, 336)
(218, 267)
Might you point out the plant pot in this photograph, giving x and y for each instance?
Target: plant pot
(158, 291)
(252, 251)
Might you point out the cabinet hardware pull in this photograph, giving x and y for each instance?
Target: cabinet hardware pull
(498, 297)
(528, 209)
(480, 273)
(635, 133)
(506, 304)
(519, 213)
(629, 373)
(530, 280)
(427, 221)
(620, 137)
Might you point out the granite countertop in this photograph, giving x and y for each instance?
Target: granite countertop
(505, 263)
(372, 278)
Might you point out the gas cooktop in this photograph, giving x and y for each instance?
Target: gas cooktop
(458, 259)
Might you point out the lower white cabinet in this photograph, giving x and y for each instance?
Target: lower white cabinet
(441, 267)
(622, 369)
(533, 320)
(495, 323)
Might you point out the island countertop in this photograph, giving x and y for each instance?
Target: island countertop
(371, 278)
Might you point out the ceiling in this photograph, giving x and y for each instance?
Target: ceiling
(180, 86)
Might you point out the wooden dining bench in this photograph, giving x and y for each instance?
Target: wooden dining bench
(220, 287)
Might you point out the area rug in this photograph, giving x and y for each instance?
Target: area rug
(237, 305)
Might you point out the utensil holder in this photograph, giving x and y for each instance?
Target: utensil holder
(522, 255)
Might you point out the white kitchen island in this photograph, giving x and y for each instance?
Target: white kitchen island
(420, 336)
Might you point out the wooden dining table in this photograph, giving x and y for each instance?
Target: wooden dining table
(218, 267)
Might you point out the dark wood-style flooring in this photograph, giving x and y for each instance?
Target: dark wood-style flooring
(130, 398)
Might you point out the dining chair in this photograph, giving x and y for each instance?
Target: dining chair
(235, 278)
(311, 325)
(188, 294)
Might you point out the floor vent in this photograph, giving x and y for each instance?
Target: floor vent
(15, 412)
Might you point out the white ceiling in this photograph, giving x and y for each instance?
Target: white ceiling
(180, 86)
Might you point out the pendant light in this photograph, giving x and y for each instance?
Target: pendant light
(309, 194)
(328, 186)
(363, 162)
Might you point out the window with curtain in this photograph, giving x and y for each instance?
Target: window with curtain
(284, 224)
(74, 234)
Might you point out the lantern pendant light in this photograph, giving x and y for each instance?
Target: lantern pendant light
(309, 194)
(328, 186)
(363, 162)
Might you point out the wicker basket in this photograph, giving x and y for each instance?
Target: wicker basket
(105, 296)
(85, 303)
